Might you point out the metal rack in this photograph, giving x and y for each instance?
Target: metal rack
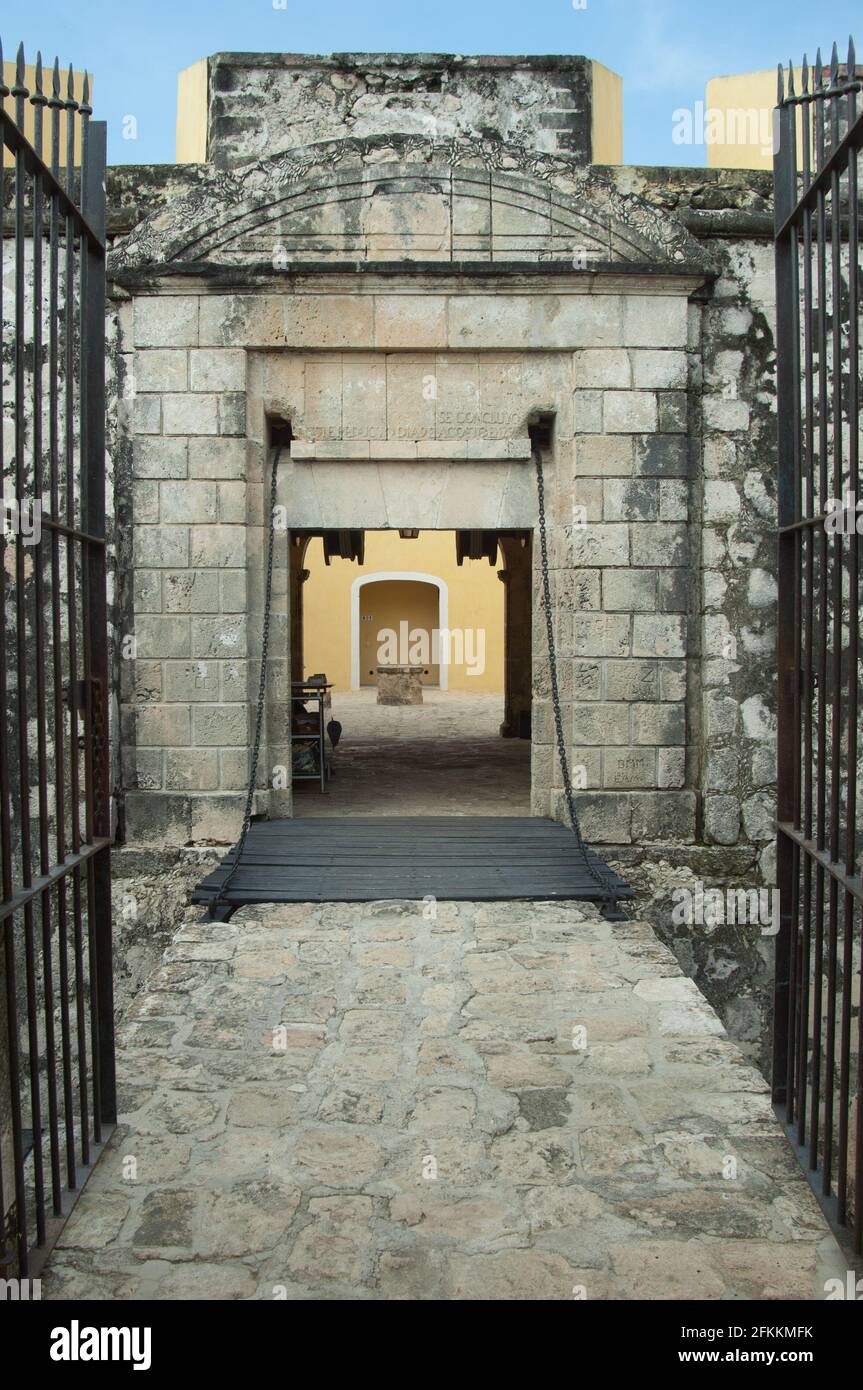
(304, 694)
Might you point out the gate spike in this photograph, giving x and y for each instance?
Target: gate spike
(780, 84)
(819, 72)
(56, 98)
(805, 75)
(852, 59)
(20, 90)
(834, 66)
(790, 78)
(4, 90)
(71, 103)
(85, 107)
(38, 98)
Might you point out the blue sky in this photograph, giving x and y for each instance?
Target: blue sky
(664, 49)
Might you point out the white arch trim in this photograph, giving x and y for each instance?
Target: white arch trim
(417, 577)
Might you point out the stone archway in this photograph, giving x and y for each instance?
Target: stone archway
(384, 576)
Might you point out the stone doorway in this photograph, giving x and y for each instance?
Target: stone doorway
(458, 604)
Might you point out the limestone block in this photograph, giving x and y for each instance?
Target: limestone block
(191, 681)
(160, 458)
(630, 499)
(656, 634)
(602, 367)
(605, 817)
(158, 819)
(145, 501)
(662, 456)
(217, 546)
(161, 369)
(632, 680)
(147, 591)
(232, 413)
(673, 412)
(364, 397)
(722, 414)
(661, 543)
(156, 547)
(161, 636)
(673, 499)
(190, 413)
(541, 321)
(721, 501)
(147, 415)
(216, 818)
(628, 768)
(629, 412)
(673, 680)
(599, 545)
(670, 767)
(188, 501)
(220, 725)
(216, 369)
(191, 591)
(722, 819)
(655, 321)
(601, 634)
(663, 817)
(224, 636)
(192, 769)
(217, 458)
(410, 321)
(602, 456)
(166, 320)
(721, 714)
(629, 590)
(410, 397)
(660, 725)
(232, 591)
(399, 685)
(249, 320)
(587, 412)
(659, 369)
(600, 723)
(162, 726)
(328, 321)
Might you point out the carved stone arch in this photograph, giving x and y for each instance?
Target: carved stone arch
(406, 198)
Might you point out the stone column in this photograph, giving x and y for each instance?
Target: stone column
(186, 713)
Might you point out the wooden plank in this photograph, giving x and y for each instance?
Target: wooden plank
(356, 859)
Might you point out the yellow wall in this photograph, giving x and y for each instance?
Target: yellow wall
(47, 117)
(607, 121)
(192, 104)
(738, 99)
(386, 604)
(476, 601)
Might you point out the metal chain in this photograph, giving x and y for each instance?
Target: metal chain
(601, 877)
(262, 691)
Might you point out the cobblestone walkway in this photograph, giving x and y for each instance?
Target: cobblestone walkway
(509, 1101)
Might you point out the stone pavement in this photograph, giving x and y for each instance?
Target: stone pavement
(409, 1101)
(444, 757)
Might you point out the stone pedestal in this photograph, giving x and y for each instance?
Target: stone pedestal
(400, 685)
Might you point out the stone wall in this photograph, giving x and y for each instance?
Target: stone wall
(262, 104)
(656, 363)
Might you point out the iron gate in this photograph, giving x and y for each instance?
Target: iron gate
(816, 1079)
(57, 1094)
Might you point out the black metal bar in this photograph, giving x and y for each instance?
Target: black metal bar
(786, 254)
(93, 519)
(853, 698)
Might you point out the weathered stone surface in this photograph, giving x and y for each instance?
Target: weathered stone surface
(586, 1156)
